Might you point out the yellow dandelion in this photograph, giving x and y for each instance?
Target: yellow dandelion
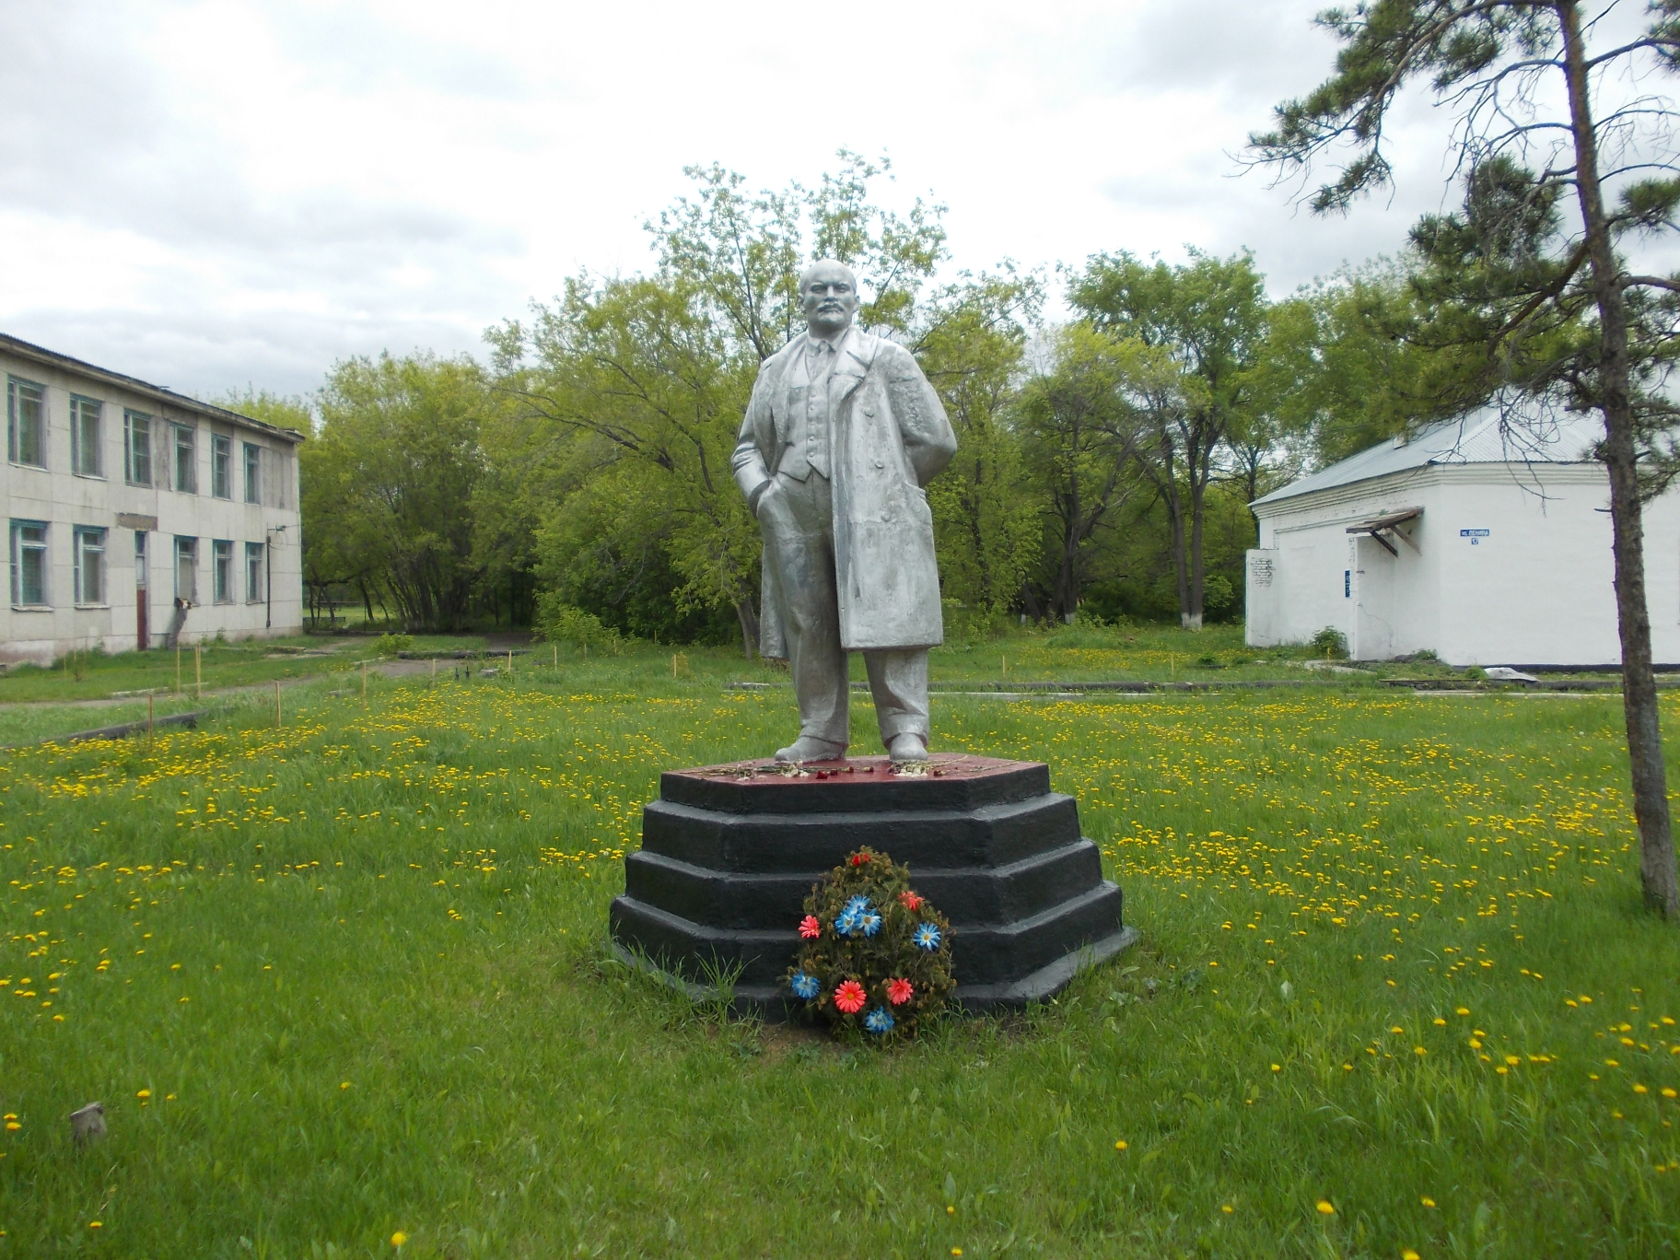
(1120, 1145)
(1326, 1208)
(1426, 1201)
(398, 1238)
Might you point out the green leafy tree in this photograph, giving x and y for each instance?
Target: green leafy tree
(1189, 403)
(1070, 420)
(389, 479)
(1563, 176)
(985, 521)
(632, 395)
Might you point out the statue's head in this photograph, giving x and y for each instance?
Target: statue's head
(828, 293)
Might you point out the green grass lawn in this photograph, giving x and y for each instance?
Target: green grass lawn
(344, 981)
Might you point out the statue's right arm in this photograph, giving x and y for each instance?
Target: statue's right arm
(747, 463)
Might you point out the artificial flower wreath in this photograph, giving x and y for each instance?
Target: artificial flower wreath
(874, 954)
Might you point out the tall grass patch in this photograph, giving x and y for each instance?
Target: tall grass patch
(344, 979)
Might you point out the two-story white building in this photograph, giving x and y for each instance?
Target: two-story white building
(137, 517)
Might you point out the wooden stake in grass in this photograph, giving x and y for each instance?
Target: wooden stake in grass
(277, 702)
(198, 671)
(151, 708)
(510, 662)
(364, 682)
(177, 664)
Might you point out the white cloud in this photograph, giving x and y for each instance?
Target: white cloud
(215, 193)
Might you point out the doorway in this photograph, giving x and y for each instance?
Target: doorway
(141, 639)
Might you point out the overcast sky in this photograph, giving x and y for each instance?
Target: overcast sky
(210, 194)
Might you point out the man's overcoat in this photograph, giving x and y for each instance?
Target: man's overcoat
(888, 438)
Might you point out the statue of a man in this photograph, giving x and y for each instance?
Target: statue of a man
(842, 433)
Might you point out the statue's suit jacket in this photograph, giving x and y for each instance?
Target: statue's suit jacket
(888, 438)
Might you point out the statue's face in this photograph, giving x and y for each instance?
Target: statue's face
(828, 292)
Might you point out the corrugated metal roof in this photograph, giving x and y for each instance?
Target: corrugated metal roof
(1483, 437)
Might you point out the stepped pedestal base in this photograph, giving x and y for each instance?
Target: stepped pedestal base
(730, 852)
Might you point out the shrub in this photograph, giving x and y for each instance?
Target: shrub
(1330, 643)
(393, 644)
(560, 622)
(876, 955)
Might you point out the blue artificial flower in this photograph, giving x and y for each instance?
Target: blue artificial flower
(869, 923)
(879, 1020)
(859, 905)
(848, 921)
(805, 985)
(926, 937)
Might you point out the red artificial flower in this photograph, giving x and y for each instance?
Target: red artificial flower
(900, 991)
(850, 997)
(858, 859)
(809, 928)
(912, 901)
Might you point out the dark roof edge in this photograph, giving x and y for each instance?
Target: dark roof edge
(52, 357)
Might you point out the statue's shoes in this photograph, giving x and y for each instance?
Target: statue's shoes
(810, 748)
(907, 746)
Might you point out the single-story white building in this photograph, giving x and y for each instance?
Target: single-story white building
(1482, 543)
(137, 517)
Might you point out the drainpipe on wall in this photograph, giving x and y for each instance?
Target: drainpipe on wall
(268, 577)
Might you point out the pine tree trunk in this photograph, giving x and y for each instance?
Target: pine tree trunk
(1657, 873)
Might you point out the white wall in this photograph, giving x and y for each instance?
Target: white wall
(63, 499)
(1322, 576)
(1513, 566)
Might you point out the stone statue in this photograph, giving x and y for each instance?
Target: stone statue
(842, 433)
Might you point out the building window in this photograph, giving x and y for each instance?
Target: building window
(186, 458)
(89, 560)
(221, 570)
(137, 448)
(253, 573)
(29, 564)
(87, 433)
(253, 473)
(186, 569)
(26, 422)
(221, 466)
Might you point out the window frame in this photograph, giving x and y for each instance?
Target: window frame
(256, 559)
(137, 441)
(253, 471)
(221, 570)
(221, 466)
(186, 545)
(17, 424)
(183, 451)
(87, 449)
(15, 555)
(89, 541)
